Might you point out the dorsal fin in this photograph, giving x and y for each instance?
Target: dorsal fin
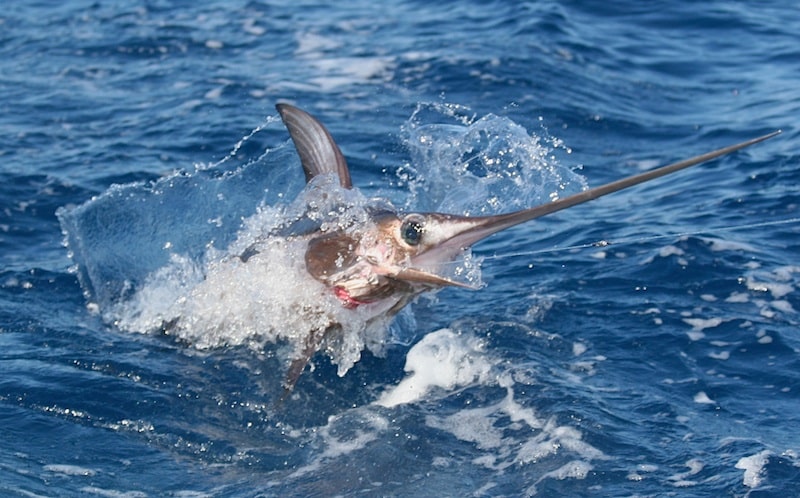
(318, 152)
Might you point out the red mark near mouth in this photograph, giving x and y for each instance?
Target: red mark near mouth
(344, 296)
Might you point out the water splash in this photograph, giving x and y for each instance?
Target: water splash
(480, 166)
(167, 255)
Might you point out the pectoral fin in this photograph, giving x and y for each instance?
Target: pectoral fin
(313, 342)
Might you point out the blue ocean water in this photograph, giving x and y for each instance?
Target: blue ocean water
(662, 363)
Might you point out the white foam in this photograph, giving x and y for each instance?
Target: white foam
(778, 290)
(702, 398)
(355, 69)
(765, 340)
(506, 433)
(699, 325)
(703, 323)
(753, 467)
(785, 273)
(667, 251)
(718, 245)
(680, 479)
(214, 93)
(442, 359)
(336, 71)
(576, 469)
(695, 335)
(782, 305)
(342, 435)
(738, 297)
(343, 445)
(486, 427)
(69, 470)
(112, 493)
(474, 426)
(313, 44)
(722, 355)
(645, 164)
(767, 313)
(250, 27)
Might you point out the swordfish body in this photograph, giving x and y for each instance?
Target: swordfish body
(400, 255)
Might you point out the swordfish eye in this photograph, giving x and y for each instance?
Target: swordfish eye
(411, 229)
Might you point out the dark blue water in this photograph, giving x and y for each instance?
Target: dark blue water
(665, 363)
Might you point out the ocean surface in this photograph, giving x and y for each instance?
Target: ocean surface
(644, 344)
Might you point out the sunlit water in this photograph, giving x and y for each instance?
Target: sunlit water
(644, 344)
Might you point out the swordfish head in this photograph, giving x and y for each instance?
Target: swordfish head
(400, 255)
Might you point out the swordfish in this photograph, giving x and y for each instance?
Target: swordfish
(399, 255)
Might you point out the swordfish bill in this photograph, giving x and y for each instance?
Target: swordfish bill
(483, 226)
